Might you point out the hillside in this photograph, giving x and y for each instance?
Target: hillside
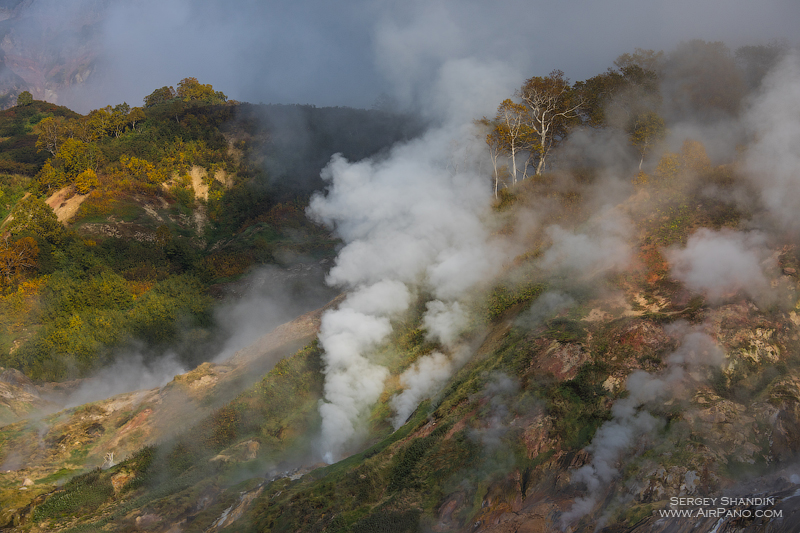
(155, 212)
(540, 329)
(497, 447)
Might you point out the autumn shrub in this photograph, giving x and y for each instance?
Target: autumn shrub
(181, 458)
(49, 179)
(506, 199)
(694, 157)
(185, 198)
(141, 466)
(402, 474)
(15, 305)
(565, 330)
(84, 317)
(84, 338)
(142, 170)
(86, 181)
(668, 166)
(285, 214)
(675, 229)
(577, 405)
(33, 216)
(67, 294)
(17, 258)
(74, 156)
(221, 428)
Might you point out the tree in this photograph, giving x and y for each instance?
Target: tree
(135, 116)
(80, 129)
(75, 156)
(597, 93)
(49, 178)
(100, 123)
(694, 156)
(119, 118)
(648, 60)
(704, 81)
(647, 129)
(143, 170)
(16, 257)
(51, 134)
(756, 61)
(616, 97)
(159, 96)
(190, 89)
(24, 98)
(86, 181)
(552, 107)
(32, 215)
(494, 142)
(513, 131)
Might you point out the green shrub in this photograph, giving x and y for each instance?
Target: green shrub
(388, 522)
(81, 495)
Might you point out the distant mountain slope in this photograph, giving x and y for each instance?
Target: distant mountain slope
(46, 46)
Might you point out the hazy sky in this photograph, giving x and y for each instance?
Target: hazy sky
(348, 52)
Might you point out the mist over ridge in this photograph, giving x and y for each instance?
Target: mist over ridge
(561, 333)
(88, 53)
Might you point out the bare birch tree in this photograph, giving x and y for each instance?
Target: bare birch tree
(552, 106)
(513, 131)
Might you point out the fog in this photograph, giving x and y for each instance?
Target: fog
(416, 221)
(347, 53)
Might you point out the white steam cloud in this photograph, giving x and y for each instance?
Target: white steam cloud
(722, 263)
(444, 322)
(773, 159)
(543, 308)
(352, 382)
(424, 379)
(630, 422)
(603, 246)
(410, 220)
(127, 373)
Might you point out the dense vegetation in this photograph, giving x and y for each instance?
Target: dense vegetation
(182, 194)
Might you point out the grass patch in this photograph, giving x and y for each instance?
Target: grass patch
(56, 476)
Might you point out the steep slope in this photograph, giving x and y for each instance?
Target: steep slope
(50, 448)
(598, 349)
(130, 225)
(584, 404)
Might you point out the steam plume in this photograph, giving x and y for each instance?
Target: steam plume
(602, 248)
(545, 306)
(772, 160)
(722, 263)
(409, 220)
(630, 423)
(424, 379)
